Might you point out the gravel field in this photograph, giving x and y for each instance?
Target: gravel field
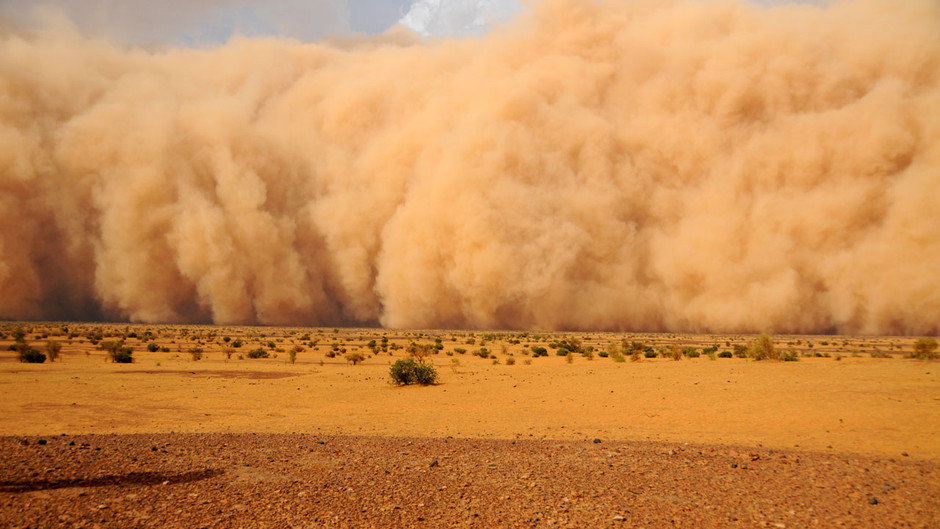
(294, 480)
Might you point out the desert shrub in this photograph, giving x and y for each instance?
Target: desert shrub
(675, 353)
(27, 354)
(195, 353)
(292, 356)
(111, 346)
(925, 349)
(763, 349)
(421, 351)
(123, 355)
(460, 350)
(153, 347)
(790, 356)
(691, 352)
(740, 350)
(712, 356)
(258, 353)
(710, 350)
(725, 354)
(482, 352)
(618, 357)
(409, 371)
(568, 357)
(880, 354)
(649, 353)
(603, 354)
(236, 343)
(354, 358)
(164, 349)
(510, 360)
(52, 350)
(588, 353)
(538, 350)
(495, 361)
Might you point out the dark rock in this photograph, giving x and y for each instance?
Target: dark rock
(434, 464)
(597, 441)
(873, 500)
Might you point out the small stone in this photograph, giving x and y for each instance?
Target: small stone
(70, 443)
(597, 441)
(873, 500)
(41, 442)
(433, 464)
(619, 518)
(734, 465)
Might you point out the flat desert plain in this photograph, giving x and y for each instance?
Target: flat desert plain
(849, 434)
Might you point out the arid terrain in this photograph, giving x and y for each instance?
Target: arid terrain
(617, 432)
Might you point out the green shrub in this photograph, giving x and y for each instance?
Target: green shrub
(725, 354)
(195, 353)
(925, 349)
(618, 357)
(510, 360)
(123, 355)
(790, 356)
(258, 353)
(649, 353)
(354, 358)
(740, 350)
(236, 343)
(691, 352)
(675, 353)
(538, 350)
(29, 355)
(409, 371)
(153, 347)
(763, 349)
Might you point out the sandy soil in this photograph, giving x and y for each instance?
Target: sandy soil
(278, 480)
(859, 405)
(226, 441)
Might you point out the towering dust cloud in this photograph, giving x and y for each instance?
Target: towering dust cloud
(656, 164)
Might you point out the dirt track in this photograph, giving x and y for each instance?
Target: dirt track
(279, 480)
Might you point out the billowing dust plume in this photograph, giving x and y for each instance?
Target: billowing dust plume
(655, 164)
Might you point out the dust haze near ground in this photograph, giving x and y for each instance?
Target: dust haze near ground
(657, 165)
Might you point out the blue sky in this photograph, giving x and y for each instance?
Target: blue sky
(210, 22)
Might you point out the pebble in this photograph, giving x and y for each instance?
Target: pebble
(597, 441)
(619, 518)
(873, 501)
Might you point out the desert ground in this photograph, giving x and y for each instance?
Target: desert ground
(617, 432)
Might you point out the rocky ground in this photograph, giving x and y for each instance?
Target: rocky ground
(283, 480)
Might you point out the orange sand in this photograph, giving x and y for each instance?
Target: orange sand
(860, 405)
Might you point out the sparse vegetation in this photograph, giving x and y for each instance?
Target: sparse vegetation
(408, 371)
(354, 358)
(52, 350)
(258, 353)
(29, 355)
(925, 349)
(122, 355)
(763, 349)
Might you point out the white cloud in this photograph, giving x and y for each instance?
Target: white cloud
(454, 18)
